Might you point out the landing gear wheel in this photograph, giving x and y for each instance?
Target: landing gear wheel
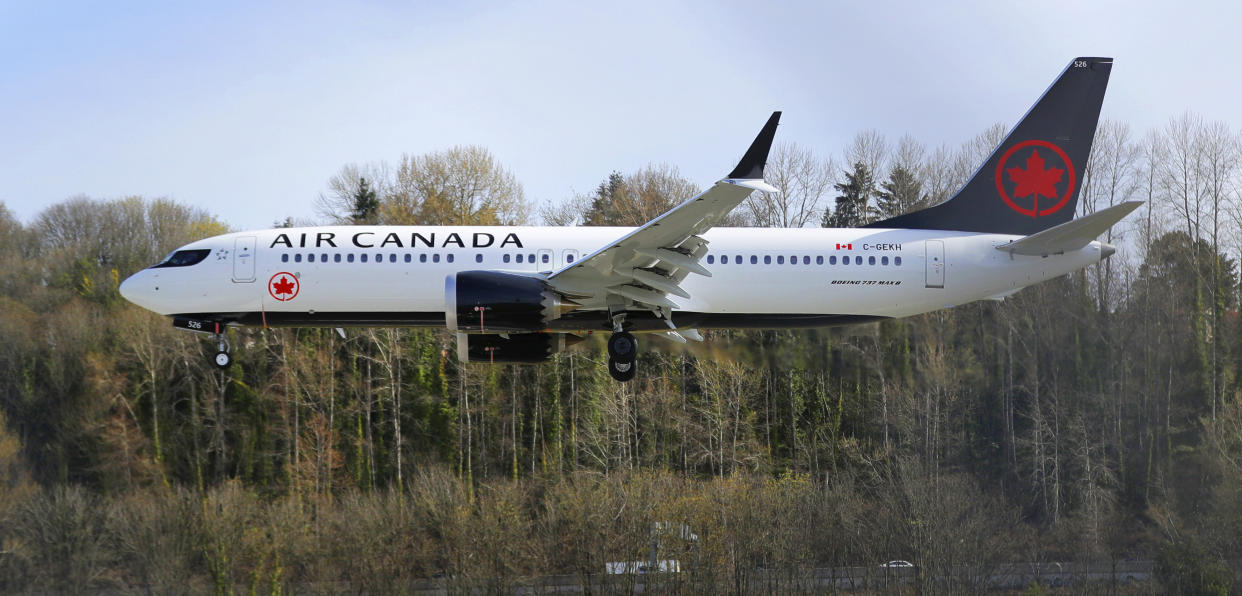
(622, 370)
(222, 359)
(622, 347)
(622, 356)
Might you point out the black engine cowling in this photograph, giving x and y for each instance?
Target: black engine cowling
(517, 348)
(495, 302)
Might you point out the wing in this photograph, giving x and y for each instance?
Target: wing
(642, 269)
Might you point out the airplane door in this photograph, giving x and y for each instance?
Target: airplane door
(935, 263)
(568, 256)
(243, 260)
(545, 260)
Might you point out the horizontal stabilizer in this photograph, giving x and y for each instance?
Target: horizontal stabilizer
(1072, 235)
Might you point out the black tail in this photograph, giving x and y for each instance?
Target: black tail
(1031, 181)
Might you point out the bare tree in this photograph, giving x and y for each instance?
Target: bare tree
(569, 212)
(804, 179)
(336, 205)
(1111, 177)
(871, 149)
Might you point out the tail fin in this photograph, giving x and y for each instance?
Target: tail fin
(1030, 182)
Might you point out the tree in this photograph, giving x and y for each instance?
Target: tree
(366, 204)
(802, 178)
(337, 204)
(459, 186)
(638, 198)
(853, 204)
(604, 204)
(901, 193)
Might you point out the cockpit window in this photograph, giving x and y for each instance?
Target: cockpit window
(184, 258)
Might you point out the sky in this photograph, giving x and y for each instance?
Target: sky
(246, 109)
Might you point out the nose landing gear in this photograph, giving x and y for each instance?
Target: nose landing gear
(622, 356)
(223, 359)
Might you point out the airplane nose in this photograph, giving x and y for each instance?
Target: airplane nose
(129, 288)
(125, 288)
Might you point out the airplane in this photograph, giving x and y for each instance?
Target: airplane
(519, 294)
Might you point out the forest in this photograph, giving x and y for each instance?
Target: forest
(1094, 418)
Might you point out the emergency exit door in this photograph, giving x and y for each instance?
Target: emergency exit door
(545, 260)
(935, 263)
(243, 259)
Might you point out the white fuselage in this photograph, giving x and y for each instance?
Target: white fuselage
(890, 273)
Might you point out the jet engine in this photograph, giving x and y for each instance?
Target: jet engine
(495, 302)
(515, 348)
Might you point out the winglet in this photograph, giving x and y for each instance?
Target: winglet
(751, 166)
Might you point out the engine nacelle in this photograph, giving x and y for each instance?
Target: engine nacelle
(496, 302)
(517, 348)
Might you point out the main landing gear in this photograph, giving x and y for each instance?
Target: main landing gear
(622, 356)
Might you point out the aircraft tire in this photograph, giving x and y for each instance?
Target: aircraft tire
(622, 371)
(222, 359)
(622, 347)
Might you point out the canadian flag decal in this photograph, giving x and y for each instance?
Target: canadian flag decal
(845, 246)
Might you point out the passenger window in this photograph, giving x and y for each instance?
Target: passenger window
(897, 261)
(408, 258)
(806, 260)
(767, 259)
(832, 260)
(284, 258)
(505, 258)
(819, 259)
(349, 257)
(530, 258)
(780, 260)
(546, 258)
(858, 260)
(323, 258)
(336, 258)
(754, 260)
(870, 260)
(379, 258)
(422, 258)
(435, 258)
(711, 260)
(519, 258)
(363, 257)
(883, 260)
(845, 260)
(478, 257)
(569, 258)
(297, 258)
(793, 260)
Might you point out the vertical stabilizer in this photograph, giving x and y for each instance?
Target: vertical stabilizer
(1031, 181)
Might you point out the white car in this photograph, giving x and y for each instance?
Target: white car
(897, 564)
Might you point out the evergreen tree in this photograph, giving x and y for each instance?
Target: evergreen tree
(852, 207)
(901, 193)
(604, 204)
(366, 203)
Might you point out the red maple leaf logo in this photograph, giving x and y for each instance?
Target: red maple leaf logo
(284, 286)
(1035, 179)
